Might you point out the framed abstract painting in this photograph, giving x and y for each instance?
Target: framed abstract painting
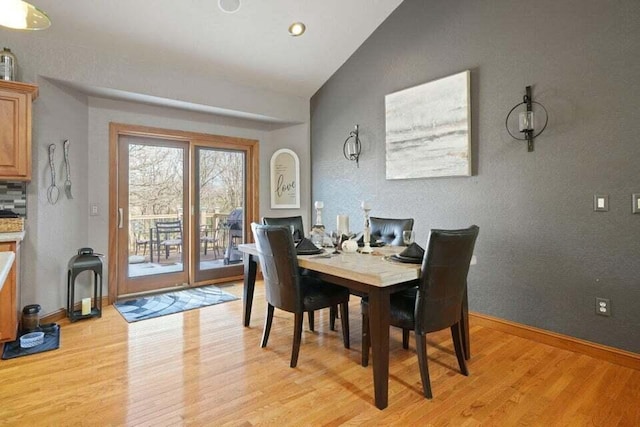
(428, 129)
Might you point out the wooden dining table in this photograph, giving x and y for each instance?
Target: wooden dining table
(375, 275)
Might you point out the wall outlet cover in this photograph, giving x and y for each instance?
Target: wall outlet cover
(635, 200)
(601, 203)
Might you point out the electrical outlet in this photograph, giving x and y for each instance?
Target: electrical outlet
(93, 211)
(603, 306)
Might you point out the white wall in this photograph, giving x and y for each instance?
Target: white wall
(104, 111)
(295, 138)
(55, 232)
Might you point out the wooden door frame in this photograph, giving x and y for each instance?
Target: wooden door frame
(250, 146)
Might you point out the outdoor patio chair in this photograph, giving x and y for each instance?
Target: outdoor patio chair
(168, 234)
(210, 236)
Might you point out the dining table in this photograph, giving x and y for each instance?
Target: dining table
(376, 275)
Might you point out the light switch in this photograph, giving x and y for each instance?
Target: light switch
(601, 203)
(635, 198)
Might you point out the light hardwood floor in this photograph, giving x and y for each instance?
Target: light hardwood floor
(203, 368)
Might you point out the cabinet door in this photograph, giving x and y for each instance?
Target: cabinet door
(8, 299)
(15, 130)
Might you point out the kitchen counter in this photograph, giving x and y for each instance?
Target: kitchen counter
(6, 261)
(12, 237)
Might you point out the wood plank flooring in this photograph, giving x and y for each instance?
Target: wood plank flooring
(203, 368)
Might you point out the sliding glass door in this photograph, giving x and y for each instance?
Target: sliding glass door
(180, 205)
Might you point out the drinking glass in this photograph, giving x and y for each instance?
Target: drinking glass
(408, 237)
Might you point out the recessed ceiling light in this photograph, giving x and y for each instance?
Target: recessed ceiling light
(297, 29)
(229, 6)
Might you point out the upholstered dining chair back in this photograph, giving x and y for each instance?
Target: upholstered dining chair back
(279, 266)
(287, 290)
(296, 221)
(443, 278)
(389, 230)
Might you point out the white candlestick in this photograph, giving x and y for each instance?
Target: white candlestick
(366, 249)
(86, 306)
(343, 224)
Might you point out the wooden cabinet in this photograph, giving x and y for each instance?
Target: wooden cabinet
(9, 313)
(15, 130)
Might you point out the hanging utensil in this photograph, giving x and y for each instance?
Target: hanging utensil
(52, 193)
(67, 183)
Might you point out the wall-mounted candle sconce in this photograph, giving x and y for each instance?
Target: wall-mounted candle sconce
(526, 119)
(352, 147)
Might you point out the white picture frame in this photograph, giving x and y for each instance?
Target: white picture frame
(285, 179)
(428, 129)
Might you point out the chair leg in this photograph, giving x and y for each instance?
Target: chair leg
(312, 323)
(366, 340)
(332, 317)
(297, 338)
(267, 325)
(456, 335)
(421, 347)
(405, 338)
(344, 320)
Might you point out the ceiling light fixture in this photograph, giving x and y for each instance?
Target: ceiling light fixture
(229, 6)
(297, 29)
(20, 15)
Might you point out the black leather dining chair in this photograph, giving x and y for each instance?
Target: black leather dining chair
(298, 234)
(295, 221)
(288, 290)
(436, 303)
(389, 230)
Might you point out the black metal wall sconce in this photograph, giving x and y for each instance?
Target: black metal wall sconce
(352, 146)
(526, 120)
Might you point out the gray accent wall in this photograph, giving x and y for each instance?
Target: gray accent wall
(543, 254)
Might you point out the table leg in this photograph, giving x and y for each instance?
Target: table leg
(379, 307)
(464, 323)
(250, 268)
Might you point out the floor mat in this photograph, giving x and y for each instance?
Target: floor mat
(51, 342)
(157, 305)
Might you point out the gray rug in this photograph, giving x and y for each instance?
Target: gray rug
(157, 305)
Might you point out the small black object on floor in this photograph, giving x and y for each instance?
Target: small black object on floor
(51, 342)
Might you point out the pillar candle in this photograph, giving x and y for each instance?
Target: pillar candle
(86, 306)
(343, 224)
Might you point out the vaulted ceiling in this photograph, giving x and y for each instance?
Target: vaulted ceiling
(250, 47)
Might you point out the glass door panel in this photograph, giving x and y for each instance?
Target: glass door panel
(153, 174)
(220, 222)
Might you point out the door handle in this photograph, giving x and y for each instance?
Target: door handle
(120, 217)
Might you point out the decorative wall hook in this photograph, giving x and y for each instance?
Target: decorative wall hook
(352, 147)
(526, 119)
